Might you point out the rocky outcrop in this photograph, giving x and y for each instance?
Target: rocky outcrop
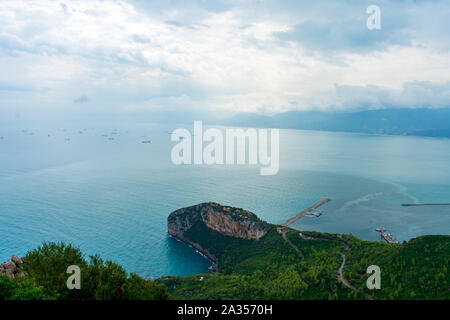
(12, 268)
(229, 221)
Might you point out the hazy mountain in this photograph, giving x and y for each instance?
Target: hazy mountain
(426, 122)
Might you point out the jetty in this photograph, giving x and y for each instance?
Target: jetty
(386, 236)
(424, 204)
(307, 211)
(314, 213)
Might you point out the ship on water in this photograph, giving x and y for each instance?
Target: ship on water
(388, 237)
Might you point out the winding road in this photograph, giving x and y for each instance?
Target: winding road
(341, 277)
(345, 281)
(283, 233)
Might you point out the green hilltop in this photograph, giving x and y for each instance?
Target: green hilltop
(288, 264)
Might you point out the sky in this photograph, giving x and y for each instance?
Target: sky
(222, 57)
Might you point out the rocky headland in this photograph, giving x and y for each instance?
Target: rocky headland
(228, 221)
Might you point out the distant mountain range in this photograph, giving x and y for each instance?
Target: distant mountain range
(422, 122)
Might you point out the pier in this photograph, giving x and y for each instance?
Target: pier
(386, 236)
(424, 204)
(314, 213)
(307, 211)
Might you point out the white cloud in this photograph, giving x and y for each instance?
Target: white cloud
(124, 58)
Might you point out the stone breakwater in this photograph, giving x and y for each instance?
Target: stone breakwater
(12, 268)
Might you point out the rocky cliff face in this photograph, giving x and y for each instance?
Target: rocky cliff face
(229, 221)
(12, 268)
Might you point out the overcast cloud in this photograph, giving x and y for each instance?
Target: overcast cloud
(233, 56)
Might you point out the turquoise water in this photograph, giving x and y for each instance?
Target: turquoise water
(113, 196)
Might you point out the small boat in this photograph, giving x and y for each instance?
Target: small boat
(146, 141)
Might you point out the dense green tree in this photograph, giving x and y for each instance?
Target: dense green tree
(47, 265)
(45, 270)
(137, 288)
(7, 287)
(20, 289)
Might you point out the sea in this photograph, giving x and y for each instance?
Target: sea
(108, 188)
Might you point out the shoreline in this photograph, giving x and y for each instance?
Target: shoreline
(214, 261)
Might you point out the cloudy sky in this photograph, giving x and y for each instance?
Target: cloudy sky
(222, 56)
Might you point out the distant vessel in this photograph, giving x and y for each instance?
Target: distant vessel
(314, 213)
(146, 141)
(386, 236)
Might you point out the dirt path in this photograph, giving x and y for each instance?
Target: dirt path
(283, 233)
(345, 281)
(324, 239)
(341, 277)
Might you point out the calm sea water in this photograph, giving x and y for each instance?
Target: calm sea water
(109, 193)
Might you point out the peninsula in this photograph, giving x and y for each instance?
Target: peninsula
(254, 259)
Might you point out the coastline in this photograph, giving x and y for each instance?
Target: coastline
(214, 261)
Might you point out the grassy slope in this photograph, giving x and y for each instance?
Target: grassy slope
(271, 269)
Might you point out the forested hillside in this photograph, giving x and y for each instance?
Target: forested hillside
(287, 264)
